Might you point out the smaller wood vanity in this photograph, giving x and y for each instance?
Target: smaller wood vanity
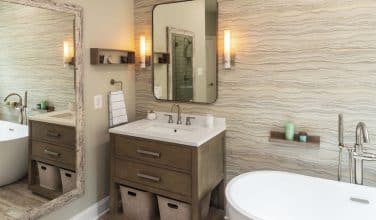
(180, 172)
(52, 144)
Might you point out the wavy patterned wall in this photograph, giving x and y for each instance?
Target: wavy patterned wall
(304, 61)
(31, 56)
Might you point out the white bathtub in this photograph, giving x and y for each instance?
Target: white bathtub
(272, 195)
(13, 152)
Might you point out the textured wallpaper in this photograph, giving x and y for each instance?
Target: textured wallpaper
(31, 56)
(304, 61)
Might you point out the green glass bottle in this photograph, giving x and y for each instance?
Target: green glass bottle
(289, 131)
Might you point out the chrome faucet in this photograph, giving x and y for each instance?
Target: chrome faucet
(179, 121)
(361, 136)
(21, 106)
(343, 146)
(357, 153)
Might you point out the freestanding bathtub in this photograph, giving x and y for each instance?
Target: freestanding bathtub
(13, 152)
(273, 195)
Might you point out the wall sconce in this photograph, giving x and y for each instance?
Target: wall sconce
(227, 49)
(145, 60)
(68, 54)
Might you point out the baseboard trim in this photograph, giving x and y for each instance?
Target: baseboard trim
(94, 211)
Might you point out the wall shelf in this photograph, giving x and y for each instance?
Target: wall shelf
(279, 138)
(161, 58)
(101, 56)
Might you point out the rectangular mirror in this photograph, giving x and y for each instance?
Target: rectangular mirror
(40, 108)
(185, 51)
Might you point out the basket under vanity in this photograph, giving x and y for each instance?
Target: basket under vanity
(165, 168)
(52, 141)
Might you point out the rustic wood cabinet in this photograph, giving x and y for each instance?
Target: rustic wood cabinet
(179, 172)
(51, 144)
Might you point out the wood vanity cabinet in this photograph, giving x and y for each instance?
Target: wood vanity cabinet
(51, 144)
(175, 171)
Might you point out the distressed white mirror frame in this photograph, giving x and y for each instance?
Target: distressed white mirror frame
(79, 75)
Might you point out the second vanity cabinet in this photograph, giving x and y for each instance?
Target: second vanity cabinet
(51, 144)
(179, 172)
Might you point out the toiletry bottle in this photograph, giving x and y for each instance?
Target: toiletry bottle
(289, 131)
(151, 115)
(43, 104)
(303, 136)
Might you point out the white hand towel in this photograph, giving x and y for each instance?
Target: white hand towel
(117, 109)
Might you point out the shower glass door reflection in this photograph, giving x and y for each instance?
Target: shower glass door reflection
(182, 67)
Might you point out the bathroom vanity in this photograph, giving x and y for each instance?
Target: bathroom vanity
(52, 141)
(180, 162)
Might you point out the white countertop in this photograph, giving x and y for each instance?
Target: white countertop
(66, 118)
(193, 135)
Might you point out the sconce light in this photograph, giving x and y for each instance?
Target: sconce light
(68, 54)
(143, 51)
(227, 49)
(145, 60)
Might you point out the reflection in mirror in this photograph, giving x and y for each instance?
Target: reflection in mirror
(37, 108)
(185, 51)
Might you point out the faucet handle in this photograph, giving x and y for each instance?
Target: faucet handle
(170, 120)
(347, 146)
(188, 120)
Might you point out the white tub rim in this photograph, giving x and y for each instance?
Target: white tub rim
(250, 216)
(17, 137)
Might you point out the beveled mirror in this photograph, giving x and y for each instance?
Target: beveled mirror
(184, 56)
(41, 108)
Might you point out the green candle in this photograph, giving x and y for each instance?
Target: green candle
(289, 131)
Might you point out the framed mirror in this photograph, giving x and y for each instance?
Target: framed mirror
(184, 56)
(41, 108)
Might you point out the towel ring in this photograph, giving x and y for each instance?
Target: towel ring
(113, 82)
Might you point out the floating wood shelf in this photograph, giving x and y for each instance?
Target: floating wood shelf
(279, 137)
(161, 58)
(101, 56)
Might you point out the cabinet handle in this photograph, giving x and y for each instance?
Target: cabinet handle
(53, 134)
(152, 178)
(51, 153)
(150, 153)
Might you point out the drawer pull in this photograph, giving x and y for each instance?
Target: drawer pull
(53, 134)
(173, 206)
(152, 178)
(51, 153)
(150, 153)
(132, 193)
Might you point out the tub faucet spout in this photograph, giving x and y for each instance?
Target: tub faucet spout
(361, 136)
(22, 106)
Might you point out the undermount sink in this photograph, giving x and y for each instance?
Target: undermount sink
(171, 130)
(195, 134)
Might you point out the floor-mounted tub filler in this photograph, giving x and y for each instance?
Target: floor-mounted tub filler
(13, 152)
(273, 195)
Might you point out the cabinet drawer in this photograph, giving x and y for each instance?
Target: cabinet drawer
(168, 154)
(56, 134)
(54, 153)
(160, 178)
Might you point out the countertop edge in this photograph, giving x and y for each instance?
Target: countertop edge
(151, 137)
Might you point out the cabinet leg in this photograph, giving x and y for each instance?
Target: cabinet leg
(114, 198)
(218, 196)
(196, 210)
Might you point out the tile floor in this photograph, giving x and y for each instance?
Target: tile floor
(15, 199)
